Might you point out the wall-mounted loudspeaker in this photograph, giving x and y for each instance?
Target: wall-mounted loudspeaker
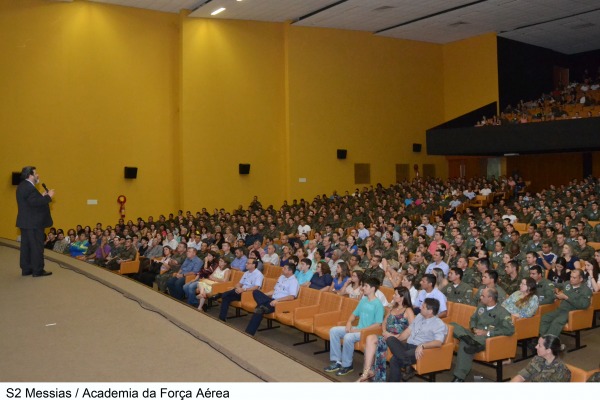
(244, 169)
(341, 154)
(417, 147)
(16, 178)
(130, 172)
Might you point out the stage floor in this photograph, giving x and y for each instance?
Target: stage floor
(84, 324)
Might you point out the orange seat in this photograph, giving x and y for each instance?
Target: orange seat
(436, 360)
(324, 322)
(130, 267)
(577, 374)
(285, 311)
(304, 317)
(578, 321)
(526, 329)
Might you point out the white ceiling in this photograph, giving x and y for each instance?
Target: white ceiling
(567, 26)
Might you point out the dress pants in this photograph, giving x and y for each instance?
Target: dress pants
(403, 355)
(32, 251)
(261, 300)
(175, 286)
(226, 300)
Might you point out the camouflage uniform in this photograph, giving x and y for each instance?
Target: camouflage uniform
(539, 371)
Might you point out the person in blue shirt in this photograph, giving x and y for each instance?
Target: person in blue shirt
(304, 273)
(370, 312)
(239, 262)
(191, 266)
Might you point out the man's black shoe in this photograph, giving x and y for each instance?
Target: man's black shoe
(25, 273)
(43, 273)
(457, 379)
(472, 345)
(408, 374)
(262, 309)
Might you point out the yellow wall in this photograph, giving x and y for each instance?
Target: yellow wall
(91, 88)
(232, 112)
(86, 90)
(371, 95)
(470, 74)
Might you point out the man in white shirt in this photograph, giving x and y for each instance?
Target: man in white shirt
(286, 289)
(429, 291)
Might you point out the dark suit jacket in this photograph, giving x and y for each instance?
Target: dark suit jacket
(34, 208)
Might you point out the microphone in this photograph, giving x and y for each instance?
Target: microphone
(45, 187)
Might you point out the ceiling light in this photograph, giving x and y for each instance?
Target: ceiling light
(218, 11)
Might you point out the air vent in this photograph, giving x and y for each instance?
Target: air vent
(383, 8)
(459, 23)
(582, 26)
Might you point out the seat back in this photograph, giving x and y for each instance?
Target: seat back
(596, 301)
(348, 306)
(577, 374)
(388, 292)
(308, 296)
(526, 328)
(273, 272)
(247, 301)
(580, 319)
(460, 314)
(329, 302)
(266, 268)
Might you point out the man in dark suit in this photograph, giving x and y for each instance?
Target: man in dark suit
(33, 216)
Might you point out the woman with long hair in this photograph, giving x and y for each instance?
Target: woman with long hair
(342, 275)
(398, 317)
(524, 302)
(559, 273)
(353, 287)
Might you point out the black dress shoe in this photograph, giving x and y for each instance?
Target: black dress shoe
(26, 273)
(457, 379)
(408, 374)
(43, 273)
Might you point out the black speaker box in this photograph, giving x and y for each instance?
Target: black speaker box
(417, 147)
(130, 172)
(244, 169)
(16, 178)
(341, 154)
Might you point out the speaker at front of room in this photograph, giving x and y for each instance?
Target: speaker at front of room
(417, 147)
(16, 178)
(130, 172)
(244, 169)
(341, 154)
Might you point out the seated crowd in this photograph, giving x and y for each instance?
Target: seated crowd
(576, 100)
(418, 238)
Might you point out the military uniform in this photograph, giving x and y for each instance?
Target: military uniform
(540, 371)
(472, 276)
(497, 322)
(374, 273)
(587, 253)
(545, 291)
(578, 299)
(501, 294)
(510, 285)
(463, 293)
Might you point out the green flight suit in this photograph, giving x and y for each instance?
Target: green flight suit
(463, 293)
(545, 291)
(497, 321)
(578, 299)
